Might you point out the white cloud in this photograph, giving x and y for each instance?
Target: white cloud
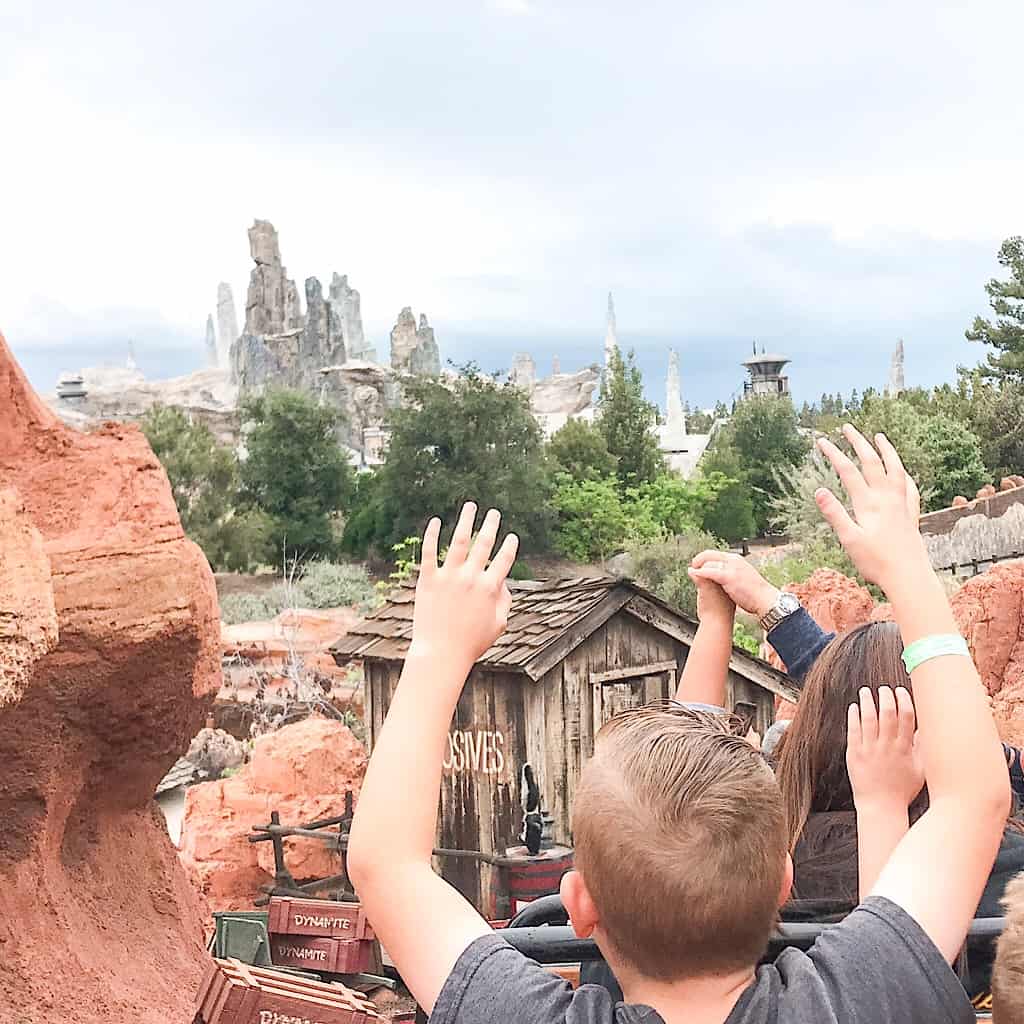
(515, 8)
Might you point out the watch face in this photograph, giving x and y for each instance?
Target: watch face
(788, 603)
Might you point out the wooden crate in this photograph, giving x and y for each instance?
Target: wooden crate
(234, 993)
(321, 918)
(332, 956)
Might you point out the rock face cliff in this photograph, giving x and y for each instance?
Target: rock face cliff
(303, 771)
(413, 347)
(109, 658)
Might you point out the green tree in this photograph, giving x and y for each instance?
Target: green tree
(661, 566)
(579, 450)
(730, 514)
(467, 439)
(592, 519)
(942, 454)
(627, 421)
(699, 422)
(952, 454)
(204, 481)
(761, 438)
(295, 472)
(1006, 334)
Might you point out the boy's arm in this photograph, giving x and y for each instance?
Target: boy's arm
(939, 869)
(885, 775)
(461, 609)
(705, 674)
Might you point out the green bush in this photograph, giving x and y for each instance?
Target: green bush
(335, 585)
(744, 639)
(661, 566)
(237, 608)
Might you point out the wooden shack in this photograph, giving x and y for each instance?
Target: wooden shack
(576, 652)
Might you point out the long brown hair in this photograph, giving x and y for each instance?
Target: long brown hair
(811, 756)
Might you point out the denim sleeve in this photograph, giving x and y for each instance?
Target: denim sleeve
(1016, 769)
(798, 640)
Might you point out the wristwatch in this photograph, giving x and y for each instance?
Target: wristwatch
(784, 607)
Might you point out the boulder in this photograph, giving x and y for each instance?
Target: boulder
(960, 502)
(987, 491)
(302, 771)
(109, 660)
(990, 612)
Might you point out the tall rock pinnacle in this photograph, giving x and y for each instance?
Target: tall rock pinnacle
(675, 417)
(897, 384)
(211, 343)
(611, 341)
(227, 325)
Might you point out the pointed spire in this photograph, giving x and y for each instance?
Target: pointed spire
(675, 417)
(611, 341)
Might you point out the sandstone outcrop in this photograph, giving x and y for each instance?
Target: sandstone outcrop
(109, 659)
(303, 771)
(282, 347)
(345, 305)
(227, 325)
(413, 347)
(990, 612)
(211, 343)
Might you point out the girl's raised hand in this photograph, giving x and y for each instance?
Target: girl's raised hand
(881, 750)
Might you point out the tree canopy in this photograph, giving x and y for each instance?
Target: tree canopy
(296, 471)
(468, 439)
(1005, 333)
(627, 422)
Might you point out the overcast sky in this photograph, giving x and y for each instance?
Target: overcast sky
(822, 177)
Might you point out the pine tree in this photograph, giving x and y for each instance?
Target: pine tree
(1006, 334)
(627, 419)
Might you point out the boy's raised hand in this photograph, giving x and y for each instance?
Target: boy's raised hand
(883, 532)
(462, 606)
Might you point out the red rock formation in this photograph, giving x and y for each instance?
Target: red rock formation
(302, 771)
(960, 502)
(109, 644)
(990, 612)
(987, 491)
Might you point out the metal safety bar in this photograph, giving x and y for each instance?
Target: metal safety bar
(555, 944)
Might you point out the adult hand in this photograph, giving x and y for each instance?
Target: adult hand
(882, 537)
(742, 583)
(462, 606)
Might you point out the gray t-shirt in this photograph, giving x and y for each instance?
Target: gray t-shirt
(876, 966)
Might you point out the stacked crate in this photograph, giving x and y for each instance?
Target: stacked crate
(235, 993)
(320, 935)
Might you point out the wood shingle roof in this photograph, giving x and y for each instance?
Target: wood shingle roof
(548, 620)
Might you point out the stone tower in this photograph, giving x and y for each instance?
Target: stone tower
(611, 341)
(897, 385)
(675, 417)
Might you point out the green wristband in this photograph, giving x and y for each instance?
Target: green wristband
(929, 647)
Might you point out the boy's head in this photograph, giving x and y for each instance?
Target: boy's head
(681, 846)
(1008, 971)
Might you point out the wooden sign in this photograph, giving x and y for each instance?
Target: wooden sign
(324, 918)
(476, 751)
(332, 956)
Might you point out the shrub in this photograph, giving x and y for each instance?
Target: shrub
(235, 608)
(661, 566)
(335, 585)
